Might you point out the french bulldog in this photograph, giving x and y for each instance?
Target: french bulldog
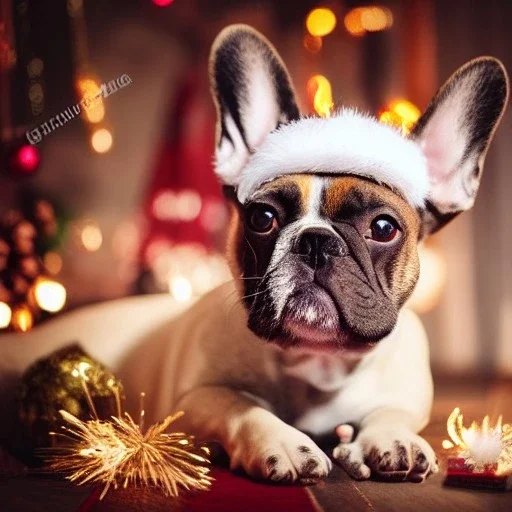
(312, 334)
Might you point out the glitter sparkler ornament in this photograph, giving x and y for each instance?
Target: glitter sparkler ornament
(483, 453)
(119, 452)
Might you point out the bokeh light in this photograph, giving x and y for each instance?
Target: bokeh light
(101, 140)
(25, 159)
(375, 18)
(5, 315)
(183, 206)
(313, 44)
(320, 93)
(188, 205)
(180, 288)
(432, 279)
(162, 3)
(50, 295)
(52, 262)
(90, 94)
(401, 114)
(22, 319)
(35, 67)
(91, 236)
(321, 22)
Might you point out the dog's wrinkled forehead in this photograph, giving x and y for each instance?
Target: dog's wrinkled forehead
(320, 199)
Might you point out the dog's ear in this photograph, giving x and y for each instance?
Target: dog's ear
(455, 132)
(253, 95)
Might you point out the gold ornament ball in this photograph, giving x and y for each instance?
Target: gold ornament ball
(57, 382)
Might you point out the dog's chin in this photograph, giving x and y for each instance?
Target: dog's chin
(311, 321)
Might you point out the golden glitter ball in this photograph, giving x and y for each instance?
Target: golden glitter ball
(56, 382)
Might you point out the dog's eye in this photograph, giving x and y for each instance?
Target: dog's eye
(384, 228)
(261, 218)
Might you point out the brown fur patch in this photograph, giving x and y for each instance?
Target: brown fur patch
(337, 189)
(406, 268)
(301, 181)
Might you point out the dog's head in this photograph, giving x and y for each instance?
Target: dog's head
(328, 212)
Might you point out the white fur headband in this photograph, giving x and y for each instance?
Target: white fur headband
(347, 143)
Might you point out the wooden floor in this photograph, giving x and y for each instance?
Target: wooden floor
(336, 493)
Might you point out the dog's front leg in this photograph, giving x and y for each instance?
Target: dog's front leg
(254, 438)
(388, 448)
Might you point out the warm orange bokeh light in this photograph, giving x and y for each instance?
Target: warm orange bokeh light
(401, 114)
(50, 295)
(53, 262)
(22, 319)
(91, 99)
(321, 22)
(5, 315)
(101, 140)
(320, 91)
(360, 20)
(91, 236)
(313, 44)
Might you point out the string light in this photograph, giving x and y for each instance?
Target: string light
(185, 270)
(188, 205)
(321, 22)
(101, 140)
(319, 88)
(182, 206)
(401, 114)
(90, 92)
(180, 288)
(313, 44)
(25, 159)
(35, 67)
(52, 262)
(5, 315)
(360, 20)
(91, 236)
(50, 295)
(22, 319)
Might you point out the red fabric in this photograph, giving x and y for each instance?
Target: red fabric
(230, 492)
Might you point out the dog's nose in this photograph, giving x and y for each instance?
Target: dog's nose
(316, 245)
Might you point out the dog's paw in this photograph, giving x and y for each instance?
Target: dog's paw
(387, 454)
(288, 456)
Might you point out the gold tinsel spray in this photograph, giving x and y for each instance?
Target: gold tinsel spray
(119, 453)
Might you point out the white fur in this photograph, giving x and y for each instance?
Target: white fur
(231, 155)
(347, 143)
(281, 280)
(235, 387)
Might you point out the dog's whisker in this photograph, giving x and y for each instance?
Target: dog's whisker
(254, 294)
(253, 252)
